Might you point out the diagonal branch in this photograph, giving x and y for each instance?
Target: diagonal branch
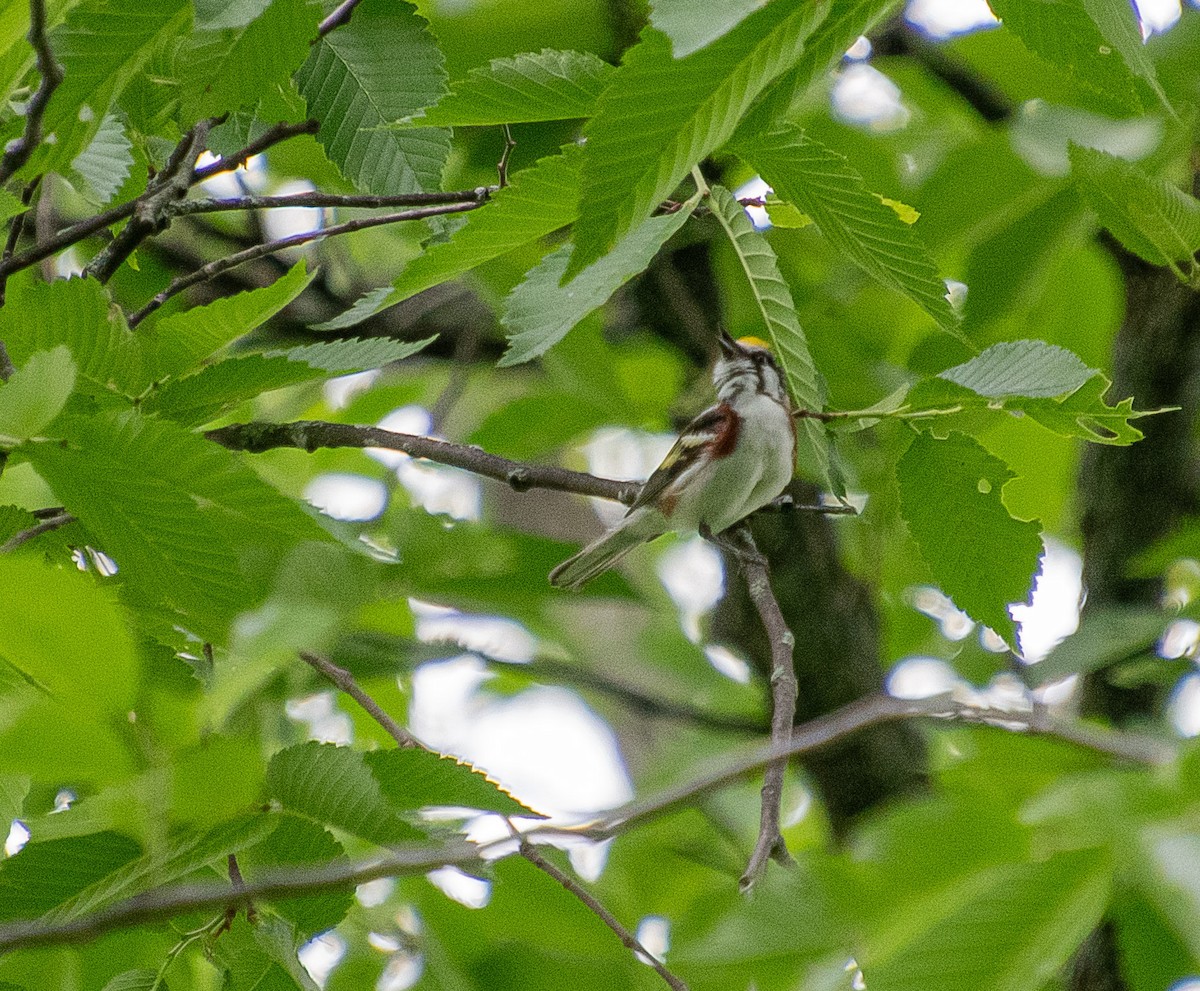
(114, 215)
(628, 939)
(215, 268)
(311, 435)
(152, 210)
(345, 681)
(166, 902)
(17, 154)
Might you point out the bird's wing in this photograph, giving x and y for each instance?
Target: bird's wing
(707, 428)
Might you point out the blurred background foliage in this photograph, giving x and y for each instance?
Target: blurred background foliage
(154, 713)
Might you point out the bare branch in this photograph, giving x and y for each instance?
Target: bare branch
(311, 435)
(339, 16)
(319, 199)
(784, 693)
(51, 72)
(502, 166)
(114, 215)
(269, 138)
(628, 939)
(345, 681)
(215, 268)
(48, 524)
(16, 227)
(165, 902)
(152, 212)
(874, 710)
(6, 365)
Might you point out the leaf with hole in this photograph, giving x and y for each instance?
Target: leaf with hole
(977, 553)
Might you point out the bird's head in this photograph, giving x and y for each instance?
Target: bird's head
(745, 366)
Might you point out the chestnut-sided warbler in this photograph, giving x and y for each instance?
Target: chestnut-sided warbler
(732, 459)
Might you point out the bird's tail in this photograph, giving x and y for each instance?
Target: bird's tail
(600, 555)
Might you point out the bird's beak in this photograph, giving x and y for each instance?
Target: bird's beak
(728, 345)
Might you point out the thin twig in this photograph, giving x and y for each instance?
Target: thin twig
(784, 692)
(340, 15)
(345, 681)
(165, 902)
(460, 374)
(311, 435)
(6, 366)
(502, 165)
(68, 236)
(51, 523)
(272, 136)
(152, 213)
(628, 939)
(51, 72)
(634, 699)
(874, 710)
(16, 227)
(215, 268)
(319, 199)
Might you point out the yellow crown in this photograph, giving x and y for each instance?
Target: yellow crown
(754, 342)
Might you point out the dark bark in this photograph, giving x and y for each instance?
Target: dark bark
(1130, 497)
(836, 626)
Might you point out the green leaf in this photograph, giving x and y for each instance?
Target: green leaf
(950, 497)
(536, 202)
(102, 46)
(10, 205)
(105, 163)
(343, 357)
(1105, 636)
(660, 116)
(846, 21)
(13, 520)
(260, 957)
(539, 312)
(35, 394)
(1118, 22)
(691, 26)
(185, 339)
(535, 86)
(1021, 368)
(783, 329)
(39, 316)
(200, 398)
(1063, 33)
(1150, 217)
(189, 524)
(46, 874)
(238, 66)
(297, 841)
(72, 643)
(334, 786)
(1007, 928)
(174, 859)
(1085, 414)
(414, 779)
(822, 184)
(136, 980)
(381, 67)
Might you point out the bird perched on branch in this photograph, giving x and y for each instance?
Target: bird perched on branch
(732, 459)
